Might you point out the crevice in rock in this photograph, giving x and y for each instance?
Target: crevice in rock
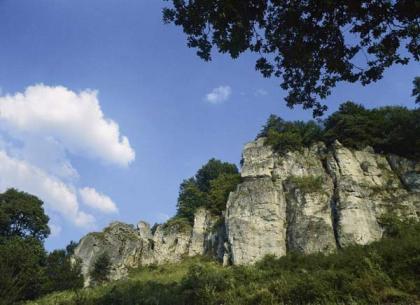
(289, 216)
(334, 198)
(397, 172)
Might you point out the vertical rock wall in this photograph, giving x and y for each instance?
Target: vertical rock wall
(316, 199)
(312, 200)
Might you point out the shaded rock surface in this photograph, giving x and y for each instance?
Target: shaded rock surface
(312, 200)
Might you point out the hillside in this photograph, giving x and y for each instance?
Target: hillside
(320, 213)
(384, 272)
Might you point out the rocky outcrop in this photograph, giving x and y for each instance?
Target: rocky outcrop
(256, 221)
(316, 199)
(129, 247)
(120, 241)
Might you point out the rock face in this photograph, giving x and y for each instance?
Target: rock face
(120, 241)
(312, 200)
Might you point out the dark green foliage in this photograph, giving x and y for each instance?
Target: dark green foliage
(352, 126)
(209, 188)
(307, 184)
(284, 136)
(26, 271)
(71, 247)
(179, 224)
(101, 269)
(220, 189)
(23, 227)
(212, 170)
(190, 198)
(21, 269)
(21, 214)
(61, 273)
(416, 89)
(310, 45)
(387, 129)
(382, 273)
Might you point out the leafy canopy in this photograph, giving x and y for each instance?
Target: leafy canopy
(21, 214)
(101, 269)
(311, 45)
(387, 129)
(209, 188)
(416, 89)
(62, 274)
(26, 270)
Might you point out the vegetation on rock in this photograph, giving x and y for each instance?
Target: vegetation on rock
(384, 272)
(209, 188)
(391, 129)
(101, 269)
(307, 184)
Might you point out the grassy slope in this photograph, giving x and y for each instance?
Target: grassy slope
(385, 272)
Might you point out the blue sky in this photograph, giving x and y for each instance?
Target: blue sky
(149, 84)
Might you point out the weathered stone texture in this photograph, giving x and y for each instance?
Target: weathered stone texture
(312, 200)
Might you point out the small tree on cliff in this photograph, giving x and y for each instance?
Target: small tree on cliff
(101, 269)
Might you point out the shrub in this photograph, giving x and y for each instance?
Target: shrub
(307, 184)
(209, 188)
(101, 269)
(387, 129)
(384, 272)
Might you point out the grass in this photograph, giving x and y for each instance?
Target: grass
(307, 184)
(177, 223)
(382, 273)
(167, 274)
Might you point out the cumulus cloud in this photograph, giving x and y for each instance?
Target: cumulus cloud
(75, 120)
(97, 200)
(58, 196)
(219, 95)
(39, 128)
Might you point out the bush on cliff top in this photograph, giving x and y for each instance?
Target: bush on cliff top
(387, 129)
(209, 188)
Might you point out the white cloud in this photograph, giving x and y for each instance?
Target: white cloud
(260, 92)
(74, 120)
(57, 196)
(97, 200)
(55, 229)
(219, 95)
(39, 128)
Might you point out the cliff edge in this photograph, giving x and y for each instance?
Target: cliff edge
(316, 199)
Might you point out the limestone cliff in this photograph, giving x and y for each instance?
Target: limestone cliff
(317, 199)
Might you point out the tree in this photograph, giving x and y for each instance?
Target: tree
(273, 123)
(416, 89)
(285, 136)
(22, 214)
(220, 190)
(209, 188)
(21, 269)
(211, 170)
(23, 228)
(190, 198)
(388, 129)
(311, 45)
(62, 273)
(101, 269)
